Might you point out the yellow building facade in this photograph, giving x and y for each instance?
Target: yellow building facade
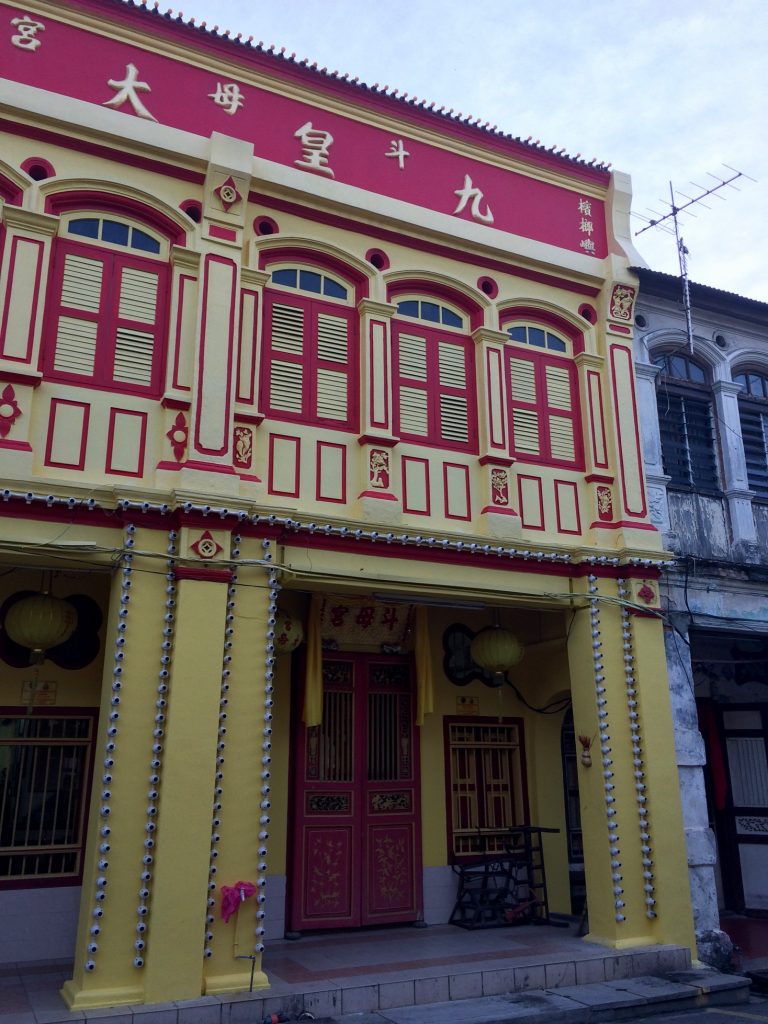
(302, 387)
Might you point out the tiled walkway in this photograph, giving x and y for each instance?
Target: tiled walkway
(343, 973)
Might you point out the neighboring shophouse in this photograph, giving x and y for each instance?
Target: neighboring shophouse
(704, 412)
(282, 354)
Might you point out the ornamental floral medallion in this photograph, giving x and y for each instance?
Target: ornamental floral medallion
(647, 593)
(378, 468)
(499, 487)
(9, 410)
(604, 503)
(178, 435)
(206, 546)
(228, 193)
(243, 447)
(622, 302)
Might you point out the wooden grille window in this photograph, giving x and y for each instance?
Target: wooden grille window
(486, 785)
(686, 424)
(45, 763)
(753, 412)
(311, 351)
(107, 306)
(434, 377)
(543, 399)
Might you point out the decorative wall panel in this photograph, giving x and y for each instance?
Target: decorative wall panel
(67, 434)
(456, 490)
(415, 485)
(331, 481)
(284, 465)
(126, 442)
(531, 502)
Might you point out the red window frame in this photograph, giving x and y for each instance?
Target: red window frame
(310, 361)
(541, 360)
(432, 386)
(107, 318)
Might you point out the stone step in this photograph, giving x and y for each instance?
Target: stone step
(619, 1000)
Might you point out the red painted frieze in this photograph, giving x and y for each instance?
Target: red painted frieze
(135, 81)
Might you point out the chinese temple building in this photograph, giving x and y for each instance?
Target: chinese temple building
(325, 553)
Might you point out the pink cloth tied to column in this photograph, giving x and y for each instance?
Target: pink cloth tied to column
(233, 895)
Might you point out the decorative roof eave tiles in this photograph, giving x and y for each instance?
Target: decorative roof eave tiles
(656, 282)
(275, 55)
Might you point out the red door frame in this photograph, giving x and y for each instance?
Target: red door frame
(355, 846)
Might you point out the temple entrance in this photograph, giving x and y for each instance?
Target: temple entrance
(356, 809)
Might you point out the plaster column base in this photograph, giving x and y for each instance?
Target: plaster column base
(78, 998)
(715, 949)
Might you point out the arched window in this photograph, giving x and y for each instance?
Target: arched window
(434, 374)
(542, 386)
(753, 412)
(686, 423)
(310, 347)
(107, 301)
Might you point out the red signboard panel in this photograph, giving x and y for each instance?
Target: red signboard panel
(136, 82)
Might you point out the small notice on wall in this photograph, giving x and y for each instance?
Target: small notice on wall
(467, 705)
(34, 692)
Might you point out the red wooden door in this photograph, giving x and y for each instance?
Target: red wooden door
(356, 844)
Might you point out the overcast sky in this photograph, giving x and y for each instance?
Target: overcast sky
(666, 90)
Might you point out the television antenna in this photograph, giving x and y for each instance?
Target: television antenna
(662, 221)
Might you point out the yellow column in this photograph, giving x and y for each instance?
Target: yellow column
(634, 853)
(104, 972)
(182, 855)
(242, 839)
(666, 849)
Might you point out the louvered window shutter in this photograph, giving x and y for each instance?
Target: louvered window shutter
(454, 413)
(81, 290)
(754, 433)
(286, 383)
(561, 428)
(525, 421)
(412, 366)
(134, 346)
(333, 379)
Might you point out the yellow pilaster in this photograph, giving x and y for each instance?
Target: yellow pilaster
(104, 972)
(243, 844)
(176, 932)
(672, 894)
(635, 862)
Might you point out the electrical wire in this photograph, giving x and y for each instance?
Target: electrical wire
(555, 707)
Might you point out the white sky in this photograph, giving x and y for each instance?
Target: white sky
(666, 90)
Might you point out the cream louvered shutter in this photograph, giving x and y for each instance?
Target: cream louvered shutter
(525, 422)
(561, 429)
(454, 425)
(134, 347)
(332, 383)
(81, 289)
(286, 375)
(412, 365)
